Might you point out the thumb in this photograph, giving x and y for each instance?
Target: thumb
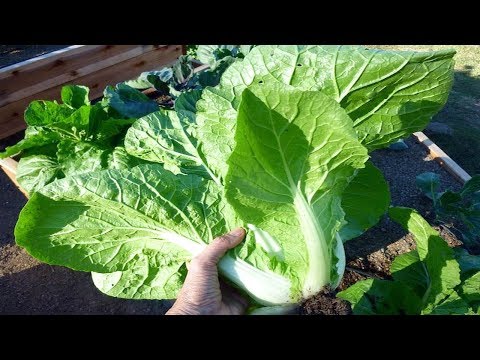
(220, 245)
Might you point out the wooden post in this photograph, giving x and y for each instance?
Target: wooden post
(9, 166)
(441, 157)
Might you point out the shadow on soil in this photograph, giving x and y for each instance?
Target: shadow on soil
(462, 115)
(45, 289)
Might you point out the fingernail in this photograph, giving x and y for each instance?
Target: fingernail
(237, 232)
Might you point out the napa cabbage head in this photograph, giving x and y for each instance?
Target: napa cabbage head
(279, 147)
(136, 229)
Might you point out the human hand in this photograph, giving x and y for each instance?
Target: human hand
(202, 292)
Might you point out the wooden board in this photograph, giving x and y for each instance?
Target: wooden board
(441, 157)
(122, 63)
(9, 166)
(24, 79)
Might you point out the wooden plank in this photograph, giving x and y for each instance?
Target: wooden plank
(9, 166)
(441, 157)
(41, 60)
(11, 115)
(22, 81)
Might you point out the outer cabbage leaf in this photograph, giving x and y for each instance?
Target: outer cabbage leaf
(388, 94)
(75, 96)
(295, 153)
(145, 222)
(35, 171)
(120, 159)
(368, 190)
(166, 137)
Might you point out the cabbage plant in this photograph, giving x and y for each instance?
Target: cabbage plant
(280, 146)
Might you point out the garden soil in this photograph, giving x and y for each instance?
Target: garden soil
(325, 303)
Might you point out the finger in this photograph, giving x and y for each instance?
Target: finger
(220, 245)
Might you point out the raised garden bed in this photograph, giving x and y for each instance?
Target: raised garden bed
(95, 66)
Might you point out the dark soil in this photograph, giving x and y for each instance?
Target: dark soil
(12, 54)
(377, 247)
(325, 303)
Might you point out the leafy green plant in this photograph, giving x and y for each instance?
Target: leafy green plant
(70, 138)
(192, 50)
(60, 141)
(429, 280)
(176, 215)
(429, 183)
(169, 81)
(462, 206)
(128, 102)
(211, 54)
(181, 77)
(279, 146)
